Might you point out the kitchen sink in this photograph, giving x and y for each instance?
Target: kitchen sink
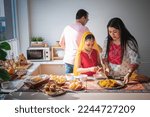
(58, 69)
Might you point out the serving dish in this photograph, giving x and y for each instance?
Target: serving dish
(56, 93)
(111, 84)
(52, 89)
(36, 81)
(11, 86)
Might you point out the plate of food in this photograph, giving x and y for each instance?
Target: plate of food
(74, 85)
(59, 79)
(37, 81)
(111, 84)
(52, 89)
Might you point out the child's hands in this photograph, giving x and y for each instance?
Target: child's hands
(93, 69)
(99, 69)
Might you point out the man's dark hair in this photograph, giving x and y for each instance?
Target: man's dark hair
(81, 13)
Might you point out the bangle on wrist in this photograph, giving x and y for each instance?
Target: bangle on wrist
(89, 69)
(129, 71)
(107, 69)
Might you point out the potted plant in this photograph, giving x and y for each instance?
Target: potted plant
(33, 40)
(4, 46)
(40, 40)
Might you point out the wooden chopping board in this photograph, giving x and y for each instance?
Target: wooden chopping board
(24, 66)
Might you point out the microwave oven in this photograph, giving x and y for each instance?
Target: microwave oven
(38, 53)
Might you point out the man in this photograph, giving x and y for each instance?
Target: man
(71, 37)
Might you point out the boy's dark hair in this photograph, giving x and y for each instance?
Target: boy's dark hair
(80, 13)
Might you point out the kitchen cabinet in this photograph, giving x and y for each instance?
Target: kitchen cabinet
(57, 53)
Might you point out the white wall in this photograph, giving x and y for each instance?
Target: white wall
(23, 25)
(2, 12)
(49, 17)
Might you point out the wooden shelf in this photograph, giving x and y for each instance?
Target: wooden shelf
(54, 53)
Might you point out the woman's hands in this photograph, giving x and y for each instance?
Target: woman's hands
(126, 78)
(106, 71)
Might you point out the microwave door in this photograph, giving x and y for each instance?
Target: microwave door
(35, 54)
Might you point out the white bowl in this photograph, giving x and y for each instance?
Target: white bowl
(81, 77)
(70, 76)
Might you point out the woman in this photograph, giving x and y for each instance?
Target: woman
(120, 53)
(87, 60)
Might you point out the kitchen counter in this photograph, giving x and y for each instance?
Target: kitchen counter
(78, 96)
(81, 95)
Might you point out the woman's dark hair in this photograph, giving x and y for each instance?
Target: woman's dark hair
(125, 36)
(90, 37)
(80, 13)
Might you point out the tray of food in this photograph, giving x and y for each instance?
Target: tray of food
(37, 81)
(52, 89)
(59, 79)
(26, 66)
(111, 84)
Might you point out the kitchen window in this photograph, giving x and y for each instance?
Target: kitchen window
(8, 25)
(7, 19)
